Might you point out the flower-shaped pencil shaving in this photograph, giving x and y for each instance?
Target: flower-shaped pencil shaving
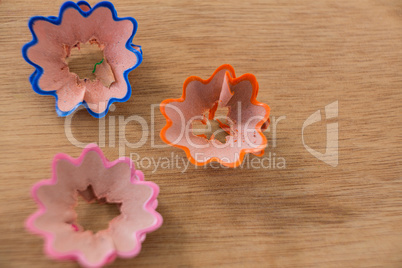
(78, 25)
(244, 119)
(93, 177)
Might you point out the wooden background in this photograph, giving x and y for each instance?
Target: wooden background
(305, 55)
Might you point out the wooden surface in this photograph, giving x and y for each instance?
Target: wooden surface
(305, 55)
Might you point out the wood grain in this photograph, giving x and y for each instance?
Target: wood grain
(305, 55)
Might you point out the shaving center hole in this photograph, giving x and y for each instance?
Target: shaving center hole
(88, 62)
(96, 214)
(217, 128)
